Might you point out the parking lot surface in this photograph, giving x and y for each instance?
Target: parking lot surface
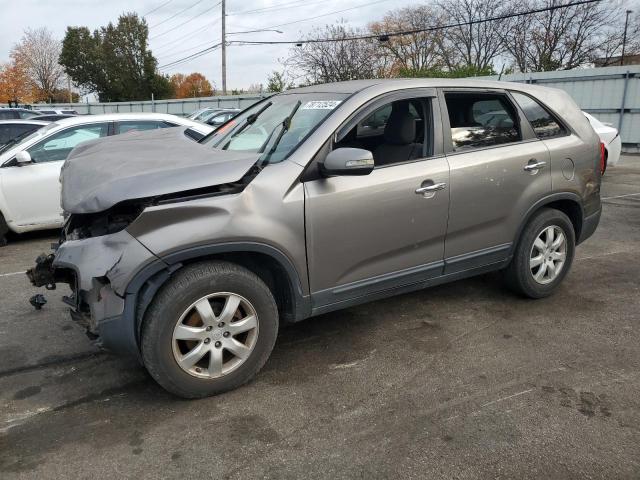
(463, 381)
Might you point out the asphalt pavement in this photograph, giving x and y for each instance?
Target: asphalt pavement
(460, 381)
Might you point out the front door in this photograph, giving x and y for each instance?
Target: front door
(367, 234)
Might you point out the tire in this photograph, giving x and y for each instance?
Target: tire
(520, 274)
(162, 346)
(4, 229)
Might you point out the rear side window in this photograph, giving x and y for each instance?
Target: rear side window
(481, 120)
(140, 125)
(542, 122)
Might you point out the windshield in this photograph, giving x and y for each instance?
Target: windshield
(27, 136)
(275, 127)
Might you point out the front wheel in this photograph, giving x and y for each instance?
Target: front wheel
(209, 330)
(543, 255)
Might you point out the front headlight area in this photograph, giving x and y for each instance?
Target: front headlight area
(79, 226)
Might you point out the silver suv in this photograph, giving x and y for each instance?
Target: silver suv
(191, 255)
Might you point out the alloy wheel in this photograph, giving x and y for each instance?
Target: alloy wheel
(215, 335)
(548, 254)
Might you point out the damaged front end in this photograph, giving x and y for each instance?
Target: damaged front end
(98, 271)
(107, 186)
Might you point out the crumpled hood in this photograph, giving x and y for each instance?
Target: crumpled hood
(101, 173)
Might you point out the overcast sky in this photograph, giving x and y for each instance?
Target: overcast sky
(197, 28)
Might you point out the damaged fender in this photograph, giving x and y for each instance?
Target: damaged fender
(98, 271)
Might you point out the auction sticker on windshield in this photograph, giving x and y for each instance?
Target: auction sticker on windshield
(321, 104)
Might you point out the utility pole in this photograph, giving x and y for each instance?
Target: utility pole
(624, 36)
(224, 50)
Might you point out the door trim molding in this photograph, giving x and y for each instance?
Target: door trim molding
(376, 284)
(478, 258)
(410, 279)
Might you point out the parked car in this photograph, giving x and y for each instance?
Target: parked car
(56, 111)
(29, 170)
(610, 139)
(54, 117)
(203, 113)
(190, 255)
(12, 131)
(218, 118)
(15, 113)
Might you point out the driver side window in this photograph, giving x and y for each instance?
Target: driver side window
(58, 146)
(395, 132)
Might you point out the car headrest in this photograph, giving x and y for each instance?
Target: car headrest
(400, 128)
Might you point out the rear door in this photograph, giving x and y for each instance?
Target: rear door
(33, 191)
(499, 169)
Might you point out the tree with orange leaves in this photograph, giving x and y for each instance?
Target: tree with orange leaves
(15, 84)
(192, 85)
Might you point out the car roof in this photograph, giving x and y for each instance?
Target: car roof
(28, 121)
(354, 86)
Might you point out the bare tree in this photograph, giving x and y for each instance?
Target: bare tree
(416, 51)
(39, 51)
(474, 45)
(343, 59)
(564, 38)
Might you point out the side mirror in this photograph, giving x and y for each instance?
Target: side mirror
(348, 161)
(23, 158)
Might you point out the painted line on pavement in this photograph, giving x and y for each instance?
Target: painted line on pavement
(12, 273)
(621, 196)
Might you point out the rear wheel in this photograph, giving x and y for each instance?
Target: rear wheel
(543, 256)
(209, 330)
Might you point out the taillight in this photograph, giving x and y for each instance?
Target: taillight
(603, 158)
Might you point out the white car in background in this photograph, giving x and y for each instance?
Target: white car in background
(30, 169)
(610, 137)
(55, 111)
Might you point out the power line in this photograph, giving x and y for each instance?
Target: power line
(384, 35)
(190, 34)
(185, 22)
(157, 8)
(387, 35)
(326, 14)
(191, 57)
(179, 52)
(176, 14)
(278, 6)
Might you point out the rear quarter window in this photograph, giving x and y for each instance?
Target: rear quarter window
(542, 121)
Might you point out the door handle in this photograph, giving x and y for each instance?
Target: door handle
(431, 188)
(529, 167)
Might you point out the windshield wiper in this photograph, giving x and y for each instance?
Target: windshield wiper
(248, 121)
(12, 142)
(286, 124)
(254, 116)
